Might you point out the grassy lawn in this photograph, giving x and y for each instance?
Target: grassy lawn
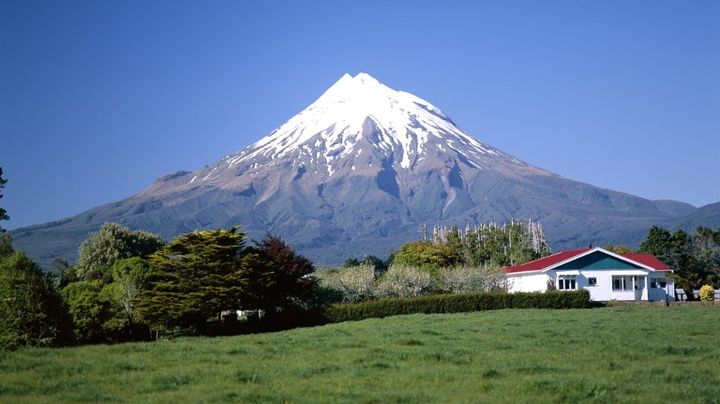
(637, 354)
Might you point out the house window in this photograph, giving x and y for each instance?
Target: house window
(592, 281)
(622, 283)
(566, 282)
(658, 283)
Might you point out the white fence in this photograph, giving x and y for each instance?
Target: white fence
(681, 296)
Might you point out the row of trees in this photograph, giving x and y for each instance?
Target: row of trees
(127, 284)
(694, 258)
(486, 245)
(354, 284)
(31, 311)
(446, 260)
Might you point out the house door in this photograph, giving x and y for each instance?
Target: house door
(639, 286)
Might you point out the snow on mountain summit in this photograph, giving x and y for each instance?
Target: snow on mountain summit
(341, 117)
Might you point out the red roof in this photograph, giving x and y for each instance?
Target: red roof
(649, 260)
(545, 262)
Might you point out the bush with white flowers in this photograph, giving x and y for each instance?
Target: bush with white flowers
(404, 281)
(353, 284)
(472, 279)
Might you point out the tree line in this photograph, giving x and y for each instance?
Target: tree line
(445, 260)
(695, 259)
(131, 285)
(486, 245)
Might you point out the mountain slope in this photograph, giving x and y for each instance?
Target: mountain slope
(358, 171)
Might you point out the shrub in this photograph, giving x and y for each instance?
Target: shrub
(457, 303)
(112, 243)
(31, 312)
(707, 293)
(404, 281)
(353, 284)
(472, 279)
(91, 310)
(423, 253)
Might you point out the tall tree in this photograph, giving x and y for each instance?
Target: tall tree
(6, 248)
(706, 251)
(195, 277)
(5, 240)
(129, 277)
(31, 312)
(618, 249)
(112, 243)
(3, 212)
(492, 245)
(695, 259)
(285, 278)
(90, 309)
(423, 254)
(658, 243)
(454, 240)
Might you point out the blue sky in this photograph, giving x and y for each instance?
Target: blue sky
(98, 99)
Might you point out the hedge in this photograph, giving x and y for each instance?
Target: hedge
(457, 303)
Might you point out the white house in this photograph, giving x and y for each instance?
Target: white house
(607, 275)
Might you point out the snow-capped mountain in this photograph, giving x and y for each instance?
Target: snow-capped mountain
(359, 111)
(357, 123)
(358, 172)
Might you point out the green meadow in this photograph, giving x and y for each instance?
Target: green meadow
(625, 354)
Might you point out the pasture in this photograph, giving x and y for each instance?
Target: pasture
(624, 354)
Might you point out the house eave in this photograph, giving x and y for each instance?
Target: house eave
(536, 271)
(596, 249)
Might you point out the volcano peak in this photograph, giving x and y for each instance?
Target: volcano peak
(407, 128)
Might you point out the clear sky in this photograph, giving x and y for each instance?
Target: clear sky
(100, 98)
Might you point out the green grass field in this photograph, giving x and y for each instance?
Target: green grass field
(637, 354)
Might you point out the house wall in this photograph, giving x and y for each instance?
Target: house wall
(537, 282)
(667, 293)
(527, 283)
(603, 291)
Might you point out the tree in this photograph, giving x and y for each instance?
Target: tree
(618, 249)
(65, 272)
(31, 312)
(112, 243)
(375, 262)
(351, 262)
(473, 279)
(90, 310)
(6, 248)
(695, 259)
(129, 277)
(5, 241)
(657, 243)
(492, 245)
(351, 284)
(194, 278)
(287, 280)
(678, 254)
(403, 281)
(370, 260)
(706, 252)
(423, 254)
(101, 311)
(454, 240)
(3, 212)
